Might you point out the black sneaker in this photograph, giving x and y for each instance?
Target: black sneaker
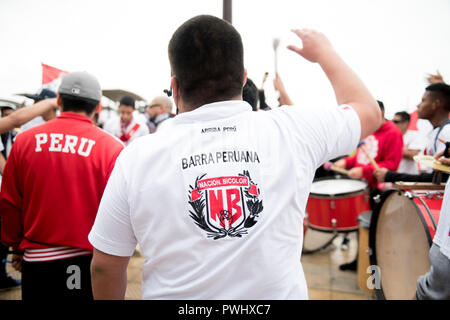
(9, 283)
(352, 266)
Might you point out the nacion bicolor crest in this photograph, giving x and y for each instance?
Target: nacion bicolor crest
(225, 206)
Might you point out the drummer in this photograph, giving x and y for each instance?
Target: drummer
(434, 107)
(384, 146)
(434, 284)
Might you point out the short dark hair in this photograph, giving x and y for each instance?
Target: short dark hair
(77, 104)
(207, 58)
(250, 94)
(381, 105)
(404, 115)
(441, 91)
(128, 101)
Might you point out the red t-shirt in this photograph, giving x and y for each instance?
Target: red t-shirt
(385, 147)
(53, 182)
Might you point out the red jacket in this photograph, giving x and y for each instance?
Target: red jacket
(385, 146)
(53, 182)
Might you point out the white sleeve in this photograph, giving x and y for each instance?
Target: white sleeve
(112, 232)
(110, 126)
(2, 147)
(325, 133)
(418, 141)
(444, 134)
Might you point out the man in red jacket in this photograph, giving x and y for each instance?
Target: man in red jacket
(52, 186)
(384, 146)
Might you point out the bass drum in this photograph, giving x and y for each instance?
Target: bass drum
(402, 228)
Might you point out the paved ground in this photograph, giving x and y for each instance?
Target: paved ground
(325, 280)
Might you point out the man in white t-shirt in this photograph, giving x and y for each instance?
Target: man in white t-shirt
(127, 127)
(434, 107)
(413, 143)
(216, 201)
(434, 285)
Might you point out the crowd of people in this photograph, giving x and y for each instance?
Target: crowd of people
(203, 193)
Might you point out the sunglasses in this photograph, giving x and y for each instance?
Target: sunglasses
(398, 121)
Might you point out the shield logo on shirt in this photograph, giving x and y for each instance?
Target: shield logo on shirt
(225, 206)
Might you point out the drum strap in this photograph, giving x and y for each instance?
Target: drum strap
(446, 122)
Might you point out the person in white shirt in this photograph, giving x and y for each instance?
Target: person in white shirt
(434, 285)
(434, 107)
(413, 143)
(217, 202)
(127, 128)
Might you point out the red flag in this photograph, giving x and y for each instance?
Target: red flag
(413, 121)
(50, 74)
(51, 77)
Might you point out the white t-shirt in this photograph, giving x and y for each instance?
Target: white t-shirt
(442, 236)
(432, 149)
(413, 140)
(32, 123)
(113, 127)
(434, 146)
(216, 200)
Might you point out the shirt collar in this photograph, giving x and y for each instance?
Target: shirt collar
(160, 118)
(74, 116)
(214, 111)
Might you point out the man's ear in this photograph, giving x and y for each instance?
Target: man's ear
(58, 100)
(245, 78)
(438, 103)
(98, 108)
(175, 88)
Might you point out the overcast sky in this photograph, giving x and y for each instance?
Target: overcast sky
(391, 44)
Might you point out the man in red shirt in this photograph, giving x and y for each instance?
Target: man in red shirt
(51, 189)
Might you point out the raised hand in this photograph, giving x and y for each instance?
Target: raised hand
(315, 45)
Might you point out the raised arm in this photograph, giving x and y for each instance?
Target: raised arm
(284, 98)
(23, 115)
(348, 88)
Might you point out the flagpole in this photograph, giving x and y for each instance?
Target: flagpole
(227, 10)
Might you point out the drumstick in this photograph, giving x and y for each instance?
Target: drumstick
(276, 43)
(330, 166)
(372, 161)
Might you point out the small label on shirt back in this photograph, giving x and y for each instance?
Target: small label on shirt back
(219, 129)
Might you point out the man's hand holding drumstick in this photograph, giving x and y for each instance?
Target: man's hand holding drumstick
(339, 166)
(444, 156)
